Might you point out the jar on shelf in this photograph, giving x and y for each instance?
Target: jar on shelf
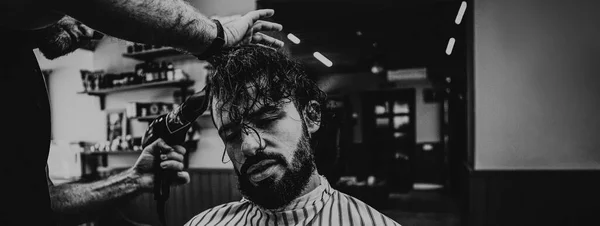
(138, 47)
(170, 71)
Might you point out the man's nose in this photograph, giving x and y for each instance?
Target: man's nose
(251, 143)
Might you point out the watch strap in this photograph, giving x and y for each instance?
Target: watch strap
(216, 44)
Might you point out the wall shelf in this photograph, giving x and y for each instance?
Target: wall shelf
(90, 159)
(152, 54)
(152, 117)
(110, 152)
(145, 118)
(103, 92)
(103, 155)
(178, 83)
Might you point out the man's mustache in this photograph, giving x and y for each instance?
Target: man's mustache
(260, 156)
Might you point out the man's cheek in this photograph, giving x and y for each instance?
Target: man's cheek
(237, 167)
(235, 158)
(237, 171)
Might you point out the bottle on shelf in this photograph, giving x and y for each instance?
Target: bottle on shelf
(148, 72)
(179, 75)
(139, 73)
(130, 48)
(165, 109)
(155, 72)
(163, 71)
(131, 78)
(137, 47)
(127, 143)
(159, 72)
(170, 71)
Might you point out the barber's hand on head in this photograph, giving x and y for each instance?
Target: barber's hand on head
(247, 28)
(171, 159)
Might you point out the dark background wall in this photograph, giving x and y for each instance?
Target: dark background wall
(535, 125)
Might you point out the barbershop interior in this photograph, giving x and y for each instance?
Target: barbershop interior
(438, 112)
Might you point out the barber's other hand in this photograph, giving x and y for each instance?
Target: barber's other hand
(63, 37)
(244, 29)
(171, 159)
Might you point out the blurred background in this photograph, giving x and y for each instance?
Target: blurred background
(443, 112)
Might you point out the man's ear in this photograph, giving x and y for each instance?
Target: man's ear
(312, 116)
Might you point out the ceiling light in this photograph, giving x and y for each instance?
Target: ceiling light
(293, 38)
(376, 68)
(450, 46)
(461, 12)
(323, 59)
(427, 147)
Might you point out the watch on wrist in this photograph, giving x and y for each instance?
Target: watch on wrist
(216, 44)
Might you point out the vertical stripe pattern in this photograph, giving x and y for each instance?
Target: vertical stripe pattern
(320, 207)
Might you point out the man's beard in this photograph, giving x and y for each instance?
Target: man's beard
(271, 194)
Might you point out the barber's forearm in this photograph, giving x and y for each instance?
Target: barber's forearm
(161, 22)
(86, 198)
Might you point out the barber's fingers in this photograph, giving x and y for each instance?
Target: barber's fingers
(87, 31)
(260, 38)
(259, 14)
(75, 28)
(173, 155)
(82, 30)
(77, 33)
(172, 165)
(179, 149)
(165, 148)
(182, 177)
(262, 25)
(266, 46)
(159, 147)
(173, 158)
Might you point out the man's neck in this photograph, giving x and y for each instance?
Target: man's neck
(313, 183)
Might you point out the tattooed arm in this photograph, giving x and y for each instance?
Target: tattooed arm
(164, 22)
(79, 202)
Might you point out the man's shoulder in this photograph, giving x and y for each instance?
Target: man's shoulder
(218, 213)
(365, 210)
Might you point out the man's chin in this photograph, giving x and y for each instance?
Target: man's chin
(265, 183)
(264, 193)
(268, 181)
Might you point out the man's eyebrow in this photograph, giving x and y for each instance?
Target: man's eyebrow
(269, 109)
(274, 109)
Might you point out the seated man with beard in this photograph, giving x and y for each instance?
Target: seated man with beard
(266, 110)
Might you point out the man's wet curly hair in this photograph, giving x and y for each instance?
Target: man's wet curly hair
(246, 75)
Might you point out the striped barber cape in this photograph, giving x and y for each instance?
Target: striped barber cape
(322, 206)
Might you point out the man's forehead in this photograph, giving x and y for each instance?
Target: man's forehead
(224, 108)
(220, 108)
(221, 111)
